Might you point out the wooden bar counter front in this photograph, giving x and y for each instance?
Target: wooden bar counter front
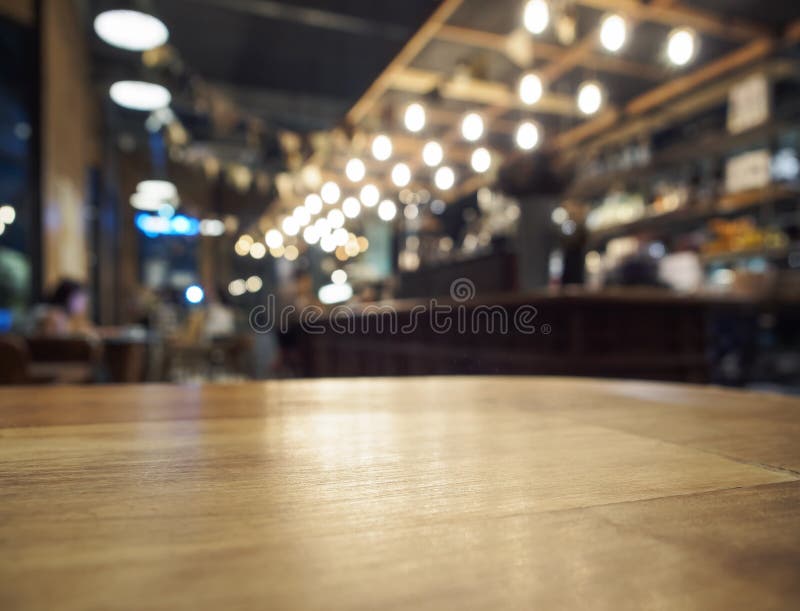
(414, 493)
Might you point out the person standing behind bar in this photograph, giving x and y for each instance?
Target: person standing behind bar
(65, 312)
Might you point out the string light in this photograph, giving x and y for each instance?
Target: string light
(330, 192)
(311, 235)
(432, 154)
(273, 239)
(355, 170)
(387, 210)
(613, 33)
(291, 253)
(369, 195)
(351, 207)
(339, 276)
(258, 250)
(313, 203)
(681, 46)
(472, 127)
(382, 147)
(527, 136)
(237, 287)
(290, 226)
(302, 215)
(336, 218)
(530, 88)
(254, 284)
(444, 178)
(590, 97)
(414, 117)
(401, 175)
(536, 16)
(481, 160)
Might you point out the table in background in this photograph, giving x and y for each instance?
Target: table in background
(409, 493)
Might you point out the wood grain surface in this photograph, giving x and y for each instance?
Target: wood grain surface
(413, 493)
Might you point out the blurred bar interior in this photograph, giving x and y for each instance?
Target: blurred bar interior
(191, 190)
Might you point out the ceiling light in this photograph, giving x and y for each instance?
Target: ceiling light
(339, 276)
(681, 46)
(414, 117)
(7, 214)
(613, 33)
(481, 160)
(590, 97)
(355, 170)
(313, 203)
(536, 16)
(212, 227)
(290, 226)
(382, 147)
(369, 195)
(237, 287)
(273, 238)
(444, 178)
(194, 294)
(432, 153)
(530, 88)
(334, 293)
(335, 218)
(311, 235)
(387, 210)
(302, 215)
(401, 175)
(527, 136)
(472, 127)
(330, 192)
(138, 95)
(158, 189)
(140, 201)
(131, 30)
(351, 207)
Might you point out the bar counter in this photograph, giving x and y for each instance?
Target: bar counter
(414, 493)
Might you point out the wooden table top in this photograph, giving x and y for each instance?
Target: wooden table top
(414, 493)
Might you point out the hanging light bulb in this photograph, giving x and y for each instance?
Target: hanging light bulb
(444, 178)
(536, 16)
(387, 210)
(382, 147)
(401, 175)
(681, 46)
(330, 192)
(432, 153)
(313, 203)
(355, 170)
(290, 226)
(273, 238)
(351, 207)
(311, 235)
(472, 127)
(369, 195)
(527, 136)
(613, 33)
(481, 160)
(414, 117)
(302, 215)
(530, 88)
(590, 97)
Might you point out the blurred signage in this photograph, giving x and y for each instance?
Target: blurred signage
(748, 171)
(152, 225)
(748, 104)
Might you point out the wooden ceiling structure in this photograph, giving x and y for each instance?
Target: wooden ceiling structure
(637, 79)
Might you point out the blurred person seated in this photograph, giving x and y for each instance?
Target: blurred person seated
(65, 313)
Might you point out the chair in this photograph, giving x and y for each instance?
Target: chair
(14, 360)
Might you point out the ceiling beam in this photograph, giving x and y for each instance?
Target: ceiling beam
(476, 91)
(674, 15)
(543, 50)
(406, 55)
